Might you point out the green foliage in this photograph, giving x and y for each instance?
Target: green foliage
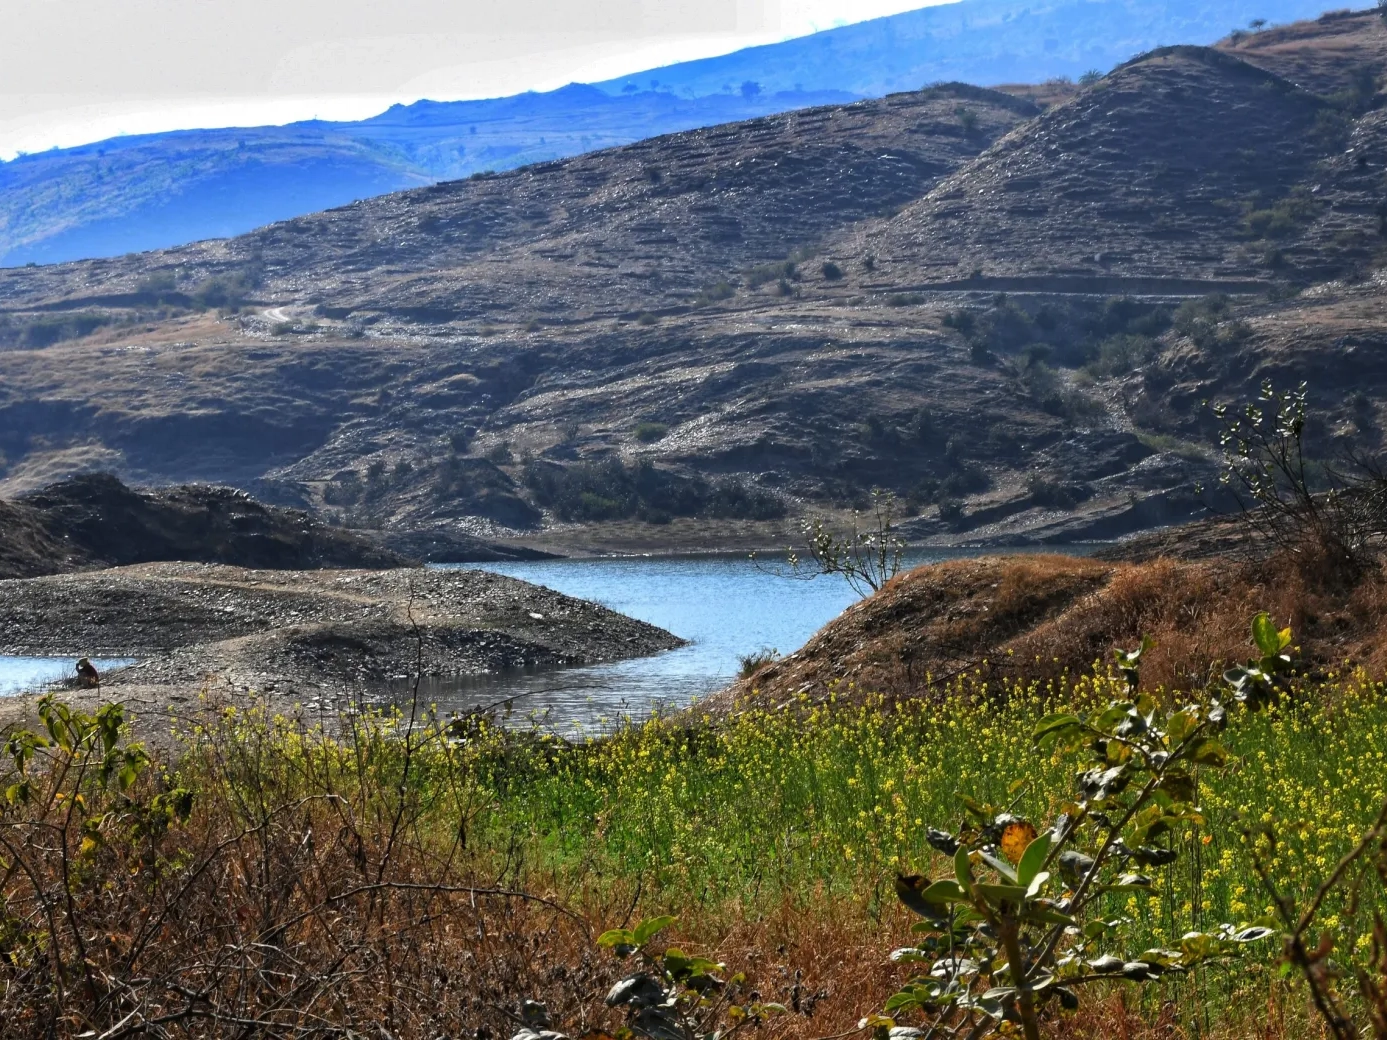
(159, 287)
(1210, 323)
(228, 290)
(780, 270)
(1163, 442)
(649, 432)
(1110, 338)
(1120, 354)
(675, 995)
(749, 664)
(45, 330)
(1056, 494)
(72, 792)
(610, 490)
(1265, 677)
(1283, 218)
(719, 290)
(1025, 919)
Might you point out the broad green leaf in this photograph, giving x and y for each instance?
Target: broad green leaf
(963, 868)
(647, 930)
(1180, 726)
(1001, 866)
(1054, 725)
(1037, 884)
(999, 894)
(1210, 752)
(1265, 635)
(617, 937)
(942, 892)
(1033, 859)
(902, 1001)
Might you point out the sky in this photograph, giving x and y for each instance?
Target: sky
(74, 71)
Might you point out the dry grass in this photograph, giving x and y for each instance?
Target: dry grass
(1038, 617)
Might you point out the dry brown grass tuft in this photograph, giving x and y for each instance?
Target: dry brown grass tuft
(1037, 617)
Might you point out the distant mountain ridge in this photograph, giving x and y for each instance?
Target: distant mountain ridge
(136, 193)
(985, 42)
(129, 194)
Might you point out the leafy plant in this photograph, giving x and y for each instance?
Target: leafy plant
(1303, 953)
(676, 996)
(1026, 921)
(1295, 504)
(867, 558)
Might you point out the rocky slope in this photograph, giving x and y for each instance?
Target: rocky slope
(1009, 317)
(148, 191)
(95, 521)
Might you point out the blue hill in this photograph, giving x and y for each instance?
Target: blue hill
(134, 193)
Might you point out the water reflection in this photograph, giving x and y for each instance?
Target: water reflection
(725, 605)
(32, 674)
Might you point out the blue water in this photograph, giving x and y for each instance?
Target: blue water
(725, 606)
(32, 674)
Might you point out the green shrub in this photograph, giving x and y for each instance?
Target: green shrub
(1282, 219)
(48, 329)
(720, 290)
(780, 270)
(228, 290)
(610, 490)
(649, 432)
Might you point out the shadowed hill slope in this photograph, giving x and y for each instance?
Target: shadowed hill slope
(644, 225)
(150, 191)
(97, 521)
(1003, 315)
(1108, 186)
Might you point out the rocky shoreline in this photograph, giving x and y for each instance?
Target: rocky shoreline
(321, 637)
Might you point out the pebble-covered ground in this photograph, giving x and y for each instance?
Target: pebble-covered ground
(309, 637)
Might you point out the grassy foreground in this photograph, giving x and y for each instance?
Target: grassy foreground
(272, 881)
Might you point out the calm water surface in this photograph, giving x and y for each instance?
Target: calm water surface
(30, 674)
(725, 606)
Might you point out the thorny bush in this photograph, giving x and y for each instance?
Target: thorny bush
(299, 889)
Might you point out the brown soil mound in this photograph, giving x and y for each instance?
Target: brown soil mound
(1035, 617)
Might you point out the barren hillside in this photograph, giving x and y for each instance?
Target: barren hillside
(1009, 316)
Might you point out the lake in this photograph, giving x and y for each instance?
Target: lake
(726, 606)
(31, 674)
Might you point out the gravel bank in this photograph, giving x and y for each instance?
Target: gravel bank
(307, 636)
